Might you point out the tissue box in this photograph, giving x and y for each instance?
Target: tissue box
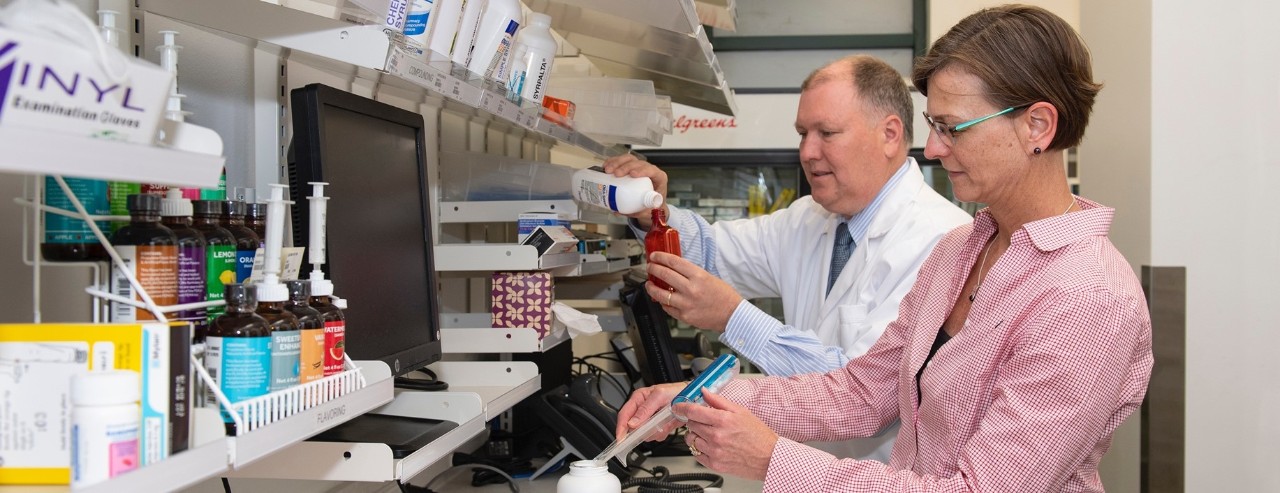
(550, 240)
(523, 299)
(61, 87)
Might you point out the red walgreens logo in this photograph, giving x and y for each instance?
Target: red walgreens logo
(685, 123)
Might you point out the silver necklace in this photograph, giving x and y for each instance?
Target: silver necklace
(986, 251)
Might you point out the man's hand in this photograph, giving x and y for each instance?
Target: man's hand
(697, 297)
(630, 165)
(644, 403)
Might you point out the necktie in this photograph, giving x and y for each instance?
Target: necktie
(839, 254)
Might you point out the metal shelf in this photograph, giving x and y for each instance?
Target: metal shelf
(594, 264)
(506, 211)
(481, 257)
(474, 333)
(38, 152)
(500, 384)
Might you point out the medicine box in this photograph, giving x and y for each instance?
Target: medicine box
(526, 222)
(37, 362)
(523, 299)
(550, 240)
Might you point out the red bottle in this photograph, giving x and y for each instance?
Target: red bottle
(661, 238)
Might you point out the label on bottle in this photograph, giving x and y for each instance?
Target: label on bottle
(285, 346)
(62, 229)
(118, 193)
(240, 365)
(335, 346)
(220, 269)
(244, 264)
(192, 285)
(311, 355)
(419, 13)
(155, 268)
(217, 193)
(598, 194)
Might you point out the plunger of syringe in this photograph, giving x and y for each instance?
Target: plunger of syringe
(316, 238)
(169, 61)
(107, 24)
(271, 289)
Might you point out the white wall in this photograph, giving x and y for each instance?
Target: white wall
(1215, 100)
(946, 13)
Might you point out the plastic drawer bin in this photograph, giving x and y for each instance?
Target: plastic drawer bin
(467, 176)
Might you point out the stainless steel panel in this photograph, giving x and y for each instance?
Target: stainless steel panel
(1164, 412)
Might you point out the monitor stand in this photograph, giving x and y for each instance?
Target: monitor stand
(404, 435)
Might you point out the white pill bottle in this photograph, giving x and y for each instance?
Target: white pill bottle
(105, 417)
(624, 194)
(588, 476)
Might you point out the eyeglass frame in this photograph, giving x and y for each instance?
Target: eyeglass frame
(947, 133)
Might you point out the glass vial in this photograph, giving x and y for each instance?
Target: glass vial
(335, 327)
(588, 476)
(150, 252)
(311, 328)
(105, 418)
(219, 251)
(238, 351)
(175, 214)
(661, 238)
(247, 242)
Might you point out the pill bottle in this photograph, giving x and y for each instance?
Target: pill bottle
(105, 418)
(588, 476)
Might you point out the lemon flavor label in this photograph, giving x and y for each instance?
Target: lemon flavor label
(221, 269)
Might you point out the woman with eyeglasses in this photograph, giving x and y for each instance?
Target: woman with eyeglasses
(1026, 339)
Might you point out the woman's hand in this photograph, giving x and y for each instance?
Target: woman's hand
(643, 404)
(697, 297)
(630, 165)
(727, 438)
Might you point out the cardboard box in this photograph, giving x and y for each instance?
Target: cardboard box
(37, 362)
(550, 240)
(526, 222)
(61, 87)
(523, 299)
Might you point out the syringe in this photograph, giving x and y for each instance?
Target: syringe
(721, 371)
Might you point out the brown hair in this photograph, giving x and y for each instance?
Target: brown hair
(877, 84)
(1024, 55)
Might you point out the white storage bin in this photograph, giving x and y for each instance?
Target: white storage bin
(468, 176)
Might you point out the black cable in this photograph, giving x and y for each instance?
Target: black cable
(226, 485)
(432, 384)
(665, 482)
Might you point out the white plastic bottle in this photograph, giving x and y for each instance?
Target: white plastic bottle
(468, 23)
(443, 28)
(494, 35)
(417, 22)
(105, 417)
(625, 194)
(531, 59)
(588, 476)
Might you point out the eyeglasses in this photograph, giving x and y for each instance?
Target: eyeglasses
(947, 133)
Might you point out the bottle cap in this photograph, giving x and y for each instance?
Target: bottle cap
(142, 202)
(173, 205)
(241, 294)
(272, 293)
(539, 19)
(298, 290)
(207, 207)
(341, 303)
(256, 209)
(234, 208)
(106, 388)
(652, 199)
(321, 287)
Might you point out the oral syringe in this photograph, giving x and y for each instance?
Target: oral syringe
(318, 211)
(719, 373)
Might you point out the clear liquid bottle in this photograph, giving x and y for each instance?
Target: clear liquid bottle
(238, 351)
(247, 242)
(661, 238)
(219, 252)
(311, 325)
(150, 252)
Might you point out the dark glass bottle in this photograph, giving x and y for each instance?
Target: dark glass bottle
(661, 238)
(238, 350)
(247, 242)
(175, 213)
(255, 218)
(150, 252)
(219, 252)
(68, 239)
(311, 323)
(335, 326)
(285, 335)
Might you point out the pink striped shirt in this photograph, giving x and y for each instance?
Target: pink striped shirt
(1056, 353)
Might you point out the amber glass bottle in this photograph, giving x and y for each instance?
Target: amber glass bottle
(661, 238)
(311, 354)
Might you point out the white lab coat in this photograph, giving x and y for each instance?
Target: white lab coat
(787, 255)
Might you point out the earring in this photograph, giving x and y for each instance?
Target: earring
(1037, 151)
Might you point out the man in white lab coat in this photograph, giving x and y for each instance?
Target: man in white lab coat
(854, 121)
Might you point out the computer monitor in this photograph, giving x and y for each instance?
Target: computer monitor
(378, 241)
(650, 330)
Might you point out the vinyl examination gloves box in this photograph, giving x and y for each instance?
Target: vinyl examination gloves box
(89, 91)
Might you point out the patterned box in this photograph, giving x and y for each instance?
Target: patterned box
(523, 299)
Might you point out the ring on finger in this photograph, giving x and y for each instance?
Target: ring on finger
(693, 447)
(669, 295)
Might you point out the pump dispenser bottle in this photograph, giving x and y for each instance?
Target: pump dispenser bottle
(219, 252)
(622, 194)
(238, 350)
(661, 238)
(150, 252)
(311, 325)
(247, 242)
(335, 324)
(175, 213)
